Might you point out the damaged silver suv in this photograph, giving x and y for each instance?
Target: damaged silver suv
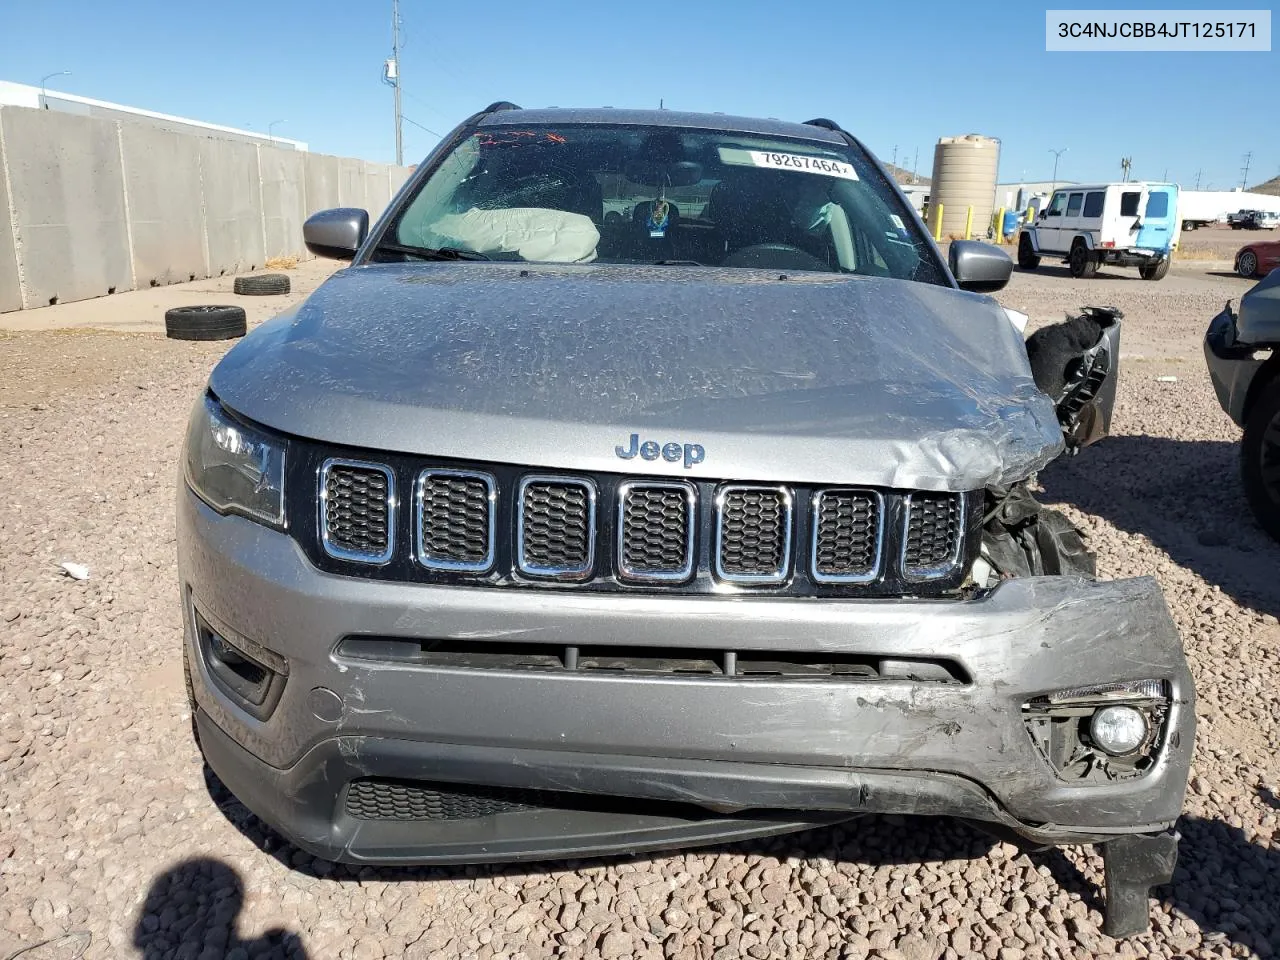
(649, 479)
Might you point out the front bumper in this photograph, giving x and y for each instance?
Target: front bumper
(1232, 365)
(698, 758)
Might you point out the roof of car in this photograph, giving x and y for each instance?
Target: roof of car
(660, 118)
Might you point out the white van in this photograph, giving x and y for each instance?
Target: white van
(1132, 224)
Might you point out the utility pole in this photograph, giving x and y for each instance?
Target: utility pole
(395, 76)
(1126, 163)
(915, 165)
(1056, 155)
(1198, 172)
(1244, 177)
(895, 159)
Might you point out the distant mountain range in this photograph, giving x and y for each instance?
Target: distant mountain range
(904, 176)
(1271, 187)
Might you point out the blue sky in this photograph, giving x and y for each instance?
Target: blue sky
(892, 73)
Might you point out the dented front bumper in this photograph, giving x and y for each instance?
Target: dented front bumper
(560, 762)
(1232, 364)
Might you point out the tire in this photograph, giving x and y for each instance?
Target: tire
(1154, 271)
(205, 322)
(261, 285)
(1082, 263)
(1247, 264)
(1260, 459)
(1027, 258)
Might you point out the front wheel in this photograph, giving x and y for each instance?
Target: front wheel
(1154, 271)
(1247, 264)
(1081, 262)
(1260, 459)
(1027, 258)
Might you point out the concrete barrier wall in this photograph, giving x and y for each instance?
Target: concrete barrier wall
(321, 180)
(91, 206)
(166, 213)
(232, 206)
(67, 206)
(283, 187)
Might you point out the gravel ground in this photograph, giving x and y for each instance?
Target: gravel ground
(114, 844)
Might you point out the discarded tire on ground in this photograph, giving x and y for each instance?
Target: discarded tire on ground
(261, 284)
(205, 322)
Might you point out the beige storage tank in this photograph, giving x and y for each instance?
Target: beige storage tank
(964, 175)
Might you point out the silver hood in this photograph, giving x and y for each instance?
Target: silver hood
(817, 378)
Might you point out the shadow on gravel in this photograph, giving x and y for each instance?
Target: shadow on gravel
(1048, 270)
(190, 913)
(1185, 497)
(1228, 886)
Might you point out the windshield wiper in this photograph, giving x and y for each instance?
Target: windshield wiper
(430, 253)
(676, 263)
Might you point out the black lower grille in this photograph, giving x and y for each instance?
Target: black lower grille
(847, 542)
(557, 519)
(933, 534)
(376, 799)
(356, 511)
(455, 520)
(670, 662)
(412, 800)
(754, 533)
(656, 523)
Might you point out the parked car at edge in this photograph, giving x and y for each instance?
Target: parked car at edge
(1242, 349)
(1131, 224)
(542, 533)
(1258, 259)
(1254, 220)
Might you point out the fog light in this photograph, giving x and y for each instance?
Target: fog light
(1118, 730)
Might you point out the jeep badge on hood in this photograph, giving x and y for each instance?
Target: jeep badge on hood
(692, 453)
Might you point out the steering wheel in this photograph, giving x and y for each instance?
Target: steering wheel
(775, 256)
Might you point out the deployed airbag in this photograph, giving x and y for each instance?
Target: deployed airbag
(548, 236)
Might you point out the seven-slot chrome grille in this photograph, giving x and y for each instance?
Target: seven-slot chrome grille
(501, 526)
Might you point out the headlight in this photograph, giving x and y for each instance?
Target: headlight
(234, 468)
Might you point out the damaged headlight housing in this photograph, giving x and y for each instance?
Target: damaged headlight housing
(1100, 733)
(234, 468)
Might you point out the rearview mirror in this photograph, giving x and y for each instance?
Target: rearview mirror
(979, 267)
(337, 233)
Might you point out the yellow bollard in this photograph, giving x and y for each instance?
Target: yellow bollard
(937, 224)
(1031, 213)
(998, 232)
(968, 223)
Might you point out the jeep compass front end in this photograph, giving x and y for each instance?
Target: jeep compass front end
(649, 479)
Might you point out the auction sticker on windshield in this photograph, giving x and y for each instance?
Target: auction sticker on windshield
(788, 161)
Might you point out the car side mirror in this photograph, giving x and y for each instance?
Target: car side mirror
(979, 267)
(337, 233)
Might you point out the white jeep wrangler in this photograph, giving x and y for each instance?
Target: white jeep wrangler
(1125, 224)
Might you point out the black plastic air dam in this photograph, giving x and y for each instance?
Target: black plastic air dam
(304, 802)
(303, 805)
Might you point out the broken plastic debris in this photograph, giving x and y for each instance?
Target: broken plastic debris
(1166, 379)
(76, 571)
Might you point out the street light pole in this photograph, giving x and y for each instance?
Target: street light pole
(1056, 155)
(395, 55)
(271, 125)
(47, 76)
